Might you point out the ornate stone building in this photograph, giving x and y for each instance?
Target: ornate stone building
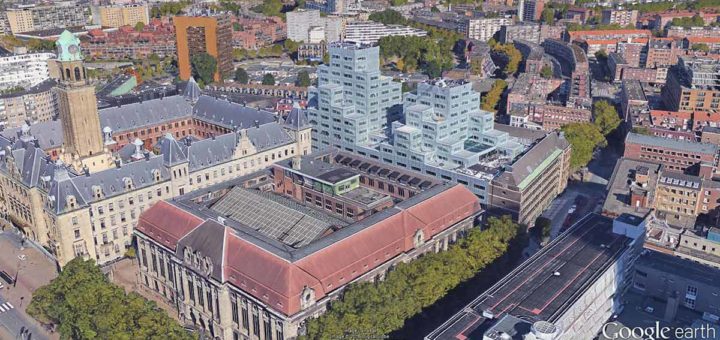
(254, 257)
(73, 207)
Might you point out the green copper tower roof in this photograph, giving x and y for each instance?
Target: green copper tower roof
(68, 47)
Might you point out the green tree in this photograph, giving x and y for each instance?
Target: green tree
(303, 79)
(434, 9)
(139, 26)
(544, 226)
(492, 98)
(701, 47)
(546, 71)
(642, 130)
(601, 55)
(237, 27)
(583, 138)
(388, 17)
(268, 79)
(375, 309)
(606, 117)
(272, 8)
(241, 76)
(204, 67)
(548, 16)
(326, 58)
(85, 305)
(290, 46)
(513, 56)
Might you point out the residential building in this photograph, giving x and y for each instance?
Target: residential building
(478, 58)
(631, 188)
(574, 65)
(208, 34)
(566, 291)
(662, 53)
(528, 31)
(301, 22)
(579, 14)
(121, 15)
(593, 41)
(369, 32)
(549, 117)
(252, 33)
(156, 38)
(62, 14)
(693, 85)
(444, 135)
(619, 17)
(664, 19)
(528, 89)
(616, 63)
(34, 105)
(313, 52)
(533, 56)
(687, 32)
(530, 10)
(483, 29)
(713, 43)
(258, 255)
(634, 105)
(23, 69)
(695, 158)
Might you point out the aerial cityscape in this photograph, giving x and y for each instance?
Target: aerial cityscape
(360, 169)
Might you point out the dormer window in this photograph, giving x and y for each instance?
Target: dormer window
(70, 202)
(127, 182)
(97, 191)
(156, 174)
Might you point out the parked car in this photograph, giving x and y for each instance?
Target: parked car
(6, 277)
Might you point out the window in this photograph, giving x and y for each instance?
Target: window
(268, 331)
(256, 324)
(77, 233)
(233, 304)
(154, 262)
(191, 291)
(200, 296)
(143, 257)
(692, 291)
(245, 319)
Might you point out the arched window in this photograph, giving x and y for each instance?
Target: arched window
(84, 73)
(67, 73)
(77, 73)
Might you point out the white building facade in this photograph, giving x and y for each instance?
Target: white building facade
(25, 70)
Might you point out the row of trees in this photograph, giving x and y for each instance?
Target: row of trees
(273, 51)
(374, 309)
(412, 53)
(168, 9)
(492, 98)
(586, 137)
(85, 305)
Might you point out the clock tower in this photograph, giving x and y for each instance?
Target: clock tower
(83, 145)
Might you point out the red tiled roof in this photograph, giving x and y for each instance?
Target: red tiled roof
(712, 40)
(574, 34)
(279, 283)
(659, 114)
(166, 224)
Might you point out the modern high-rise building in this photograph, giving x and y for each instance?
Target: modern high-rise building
(26, 18)
(445, 134)
(369, 32)
(23, 69)
(121, 15)
(352, 98)
(208, 34)
(693, 85)
(302, 23)
(483, 28)
(530, 10)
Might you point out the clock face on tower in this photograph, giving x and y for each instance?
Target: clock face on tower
(73, 49)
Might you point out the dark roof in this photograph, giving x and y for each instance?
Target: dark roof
(45, 86)
(528, 163)
(672, 265)
(152, 112)
(533, 292)
(228, 114)
(206, 241)
(671, 143)
(297, 119)
(49, 134)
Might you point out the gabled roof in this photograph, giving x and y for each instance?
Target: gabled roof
(129, 117)
(228, 114)
(172, 151)
(297, 119)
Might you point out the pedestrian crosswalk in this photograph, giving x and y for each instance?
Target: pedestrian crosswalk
(6, 307)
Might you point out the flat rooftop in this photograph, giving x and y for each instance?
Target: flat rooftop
(679, 267)
(623, 181)
(544, 286)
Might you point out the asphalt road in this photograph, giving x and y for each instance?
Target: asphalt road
(13, 321)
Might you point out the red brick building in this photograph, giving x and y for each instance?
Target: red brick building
(158, 37)
(695, 158)
(252, 34)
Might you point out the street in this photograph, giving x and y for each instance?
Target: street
(33, 270)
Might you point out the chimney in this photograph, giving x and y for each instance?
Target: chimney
(118, 163)
(257, 123)
(671, 307)
(86, 170)
(296, 162)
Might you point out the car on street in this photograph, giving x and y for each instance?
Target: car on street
(6, 277)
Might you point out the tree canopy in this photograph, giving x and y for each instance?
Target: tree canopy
(139, 26)
(303, 79)
(606, 117)
(168, 9)
(203, 67)
(687, 22)
(388, 17)
(268, 79)
(701, 47)
(86, 305)
(546, 71)
(584, 138)
(430, 55)
(374, 309)
(492, 98)
(241, 76)
(512, 55)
